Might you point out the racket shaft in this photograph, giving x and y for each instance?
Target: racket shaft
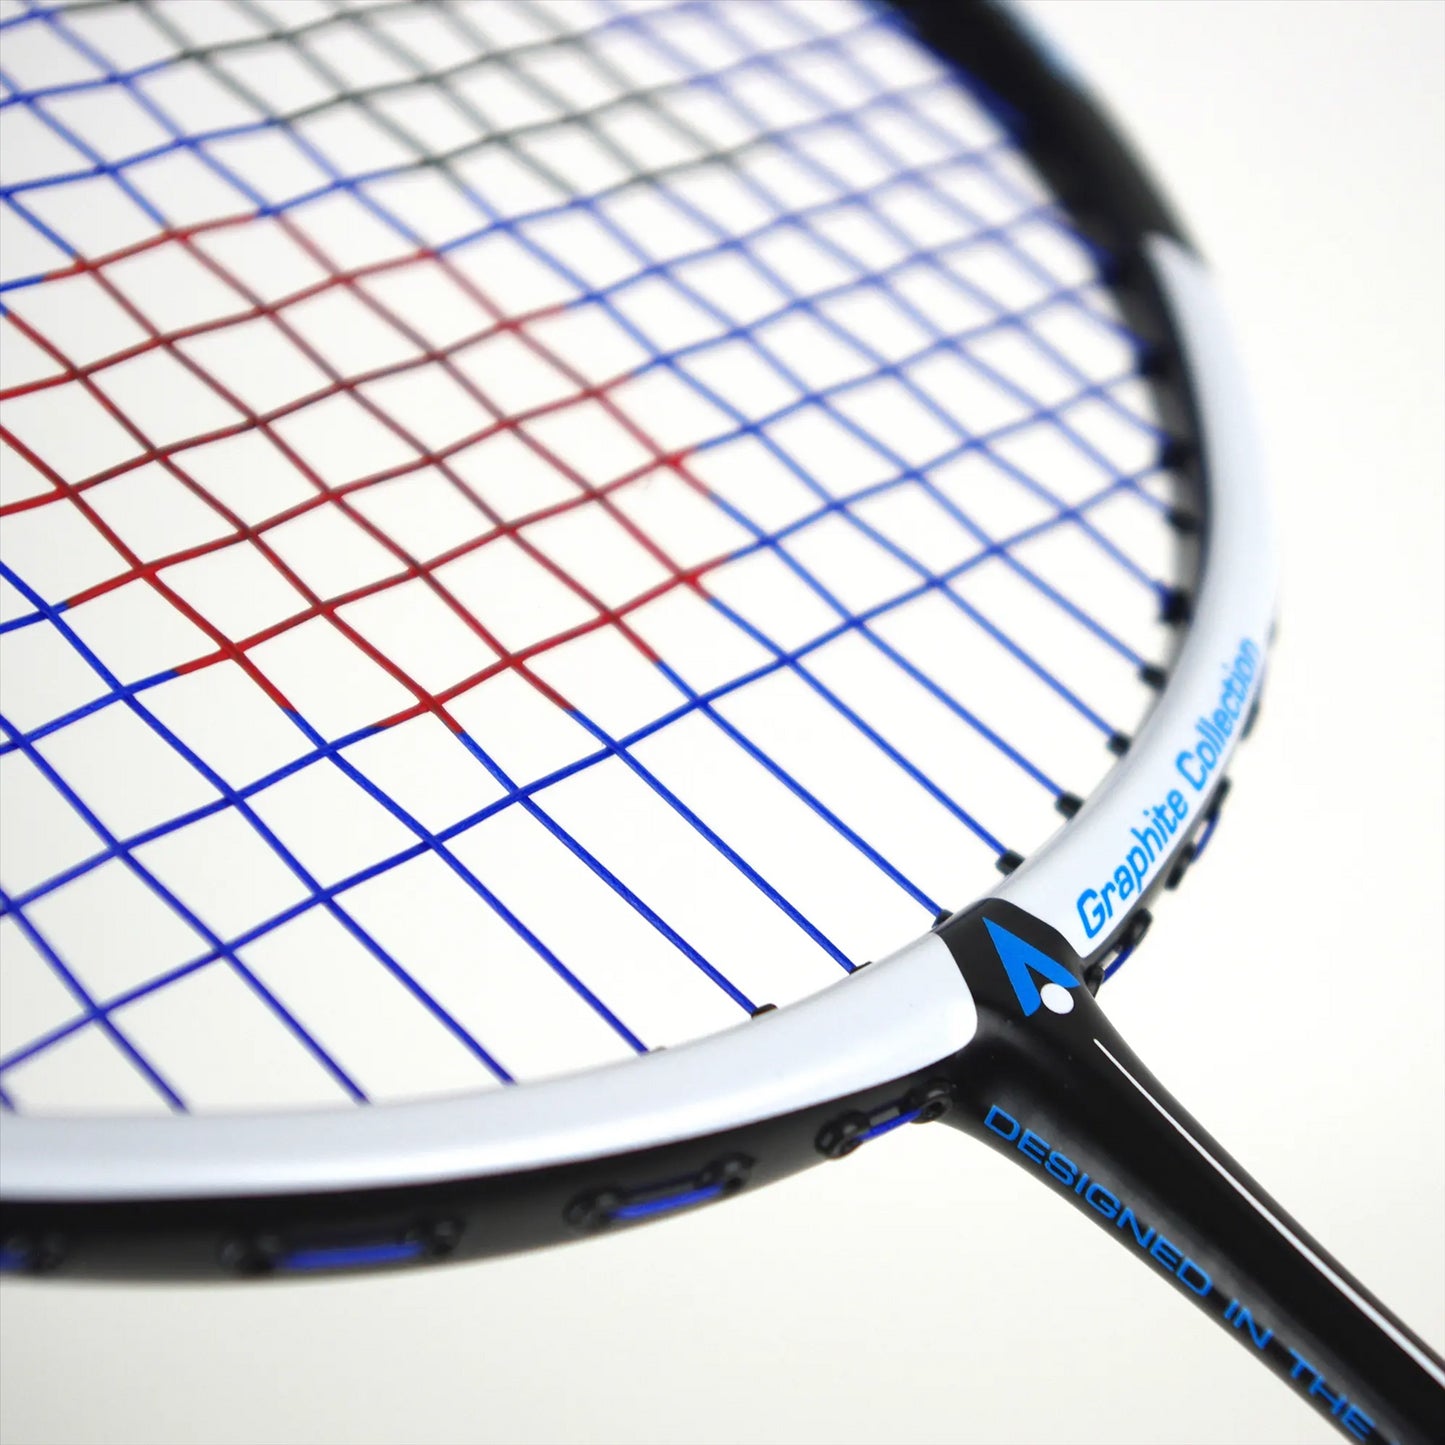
(1050, 1083)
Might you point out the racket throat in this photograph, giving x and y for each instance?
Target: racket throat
(1048, 1082)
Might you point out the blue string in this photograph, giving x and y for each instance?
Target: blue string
(524, 230)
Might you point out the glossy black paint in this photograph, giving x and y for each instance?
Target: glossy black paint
(1098, 1141)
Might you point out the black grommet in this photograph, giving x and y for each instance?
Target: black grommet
(1068, 804)
(932, 1101)
(1175, 606)
(1176, 453)
(437, 1239)
(1007, 862)
(593, 1211)
(1135, 929)
(1152, 675)
(1181, 866)
(1220, 794)
(842, 1136)
(731, 1173)
(1118, 744)
(254, 1256)
(1157, 363)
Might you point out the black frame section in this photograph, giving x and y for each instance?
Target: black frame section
(1078, 151)
(473, 1218)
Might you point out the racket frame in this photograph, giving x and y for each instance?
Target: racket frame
(505, 1169)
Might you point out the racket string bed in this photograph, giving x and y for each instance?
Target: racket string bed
(496, 418)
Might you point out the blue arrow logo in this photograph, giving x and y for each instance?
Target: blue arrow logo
(1021, 961)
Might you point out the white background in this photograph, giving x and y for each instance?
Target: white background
(1293, 995)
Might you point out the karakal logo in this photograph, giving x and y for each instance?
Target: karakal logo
(1024, 964)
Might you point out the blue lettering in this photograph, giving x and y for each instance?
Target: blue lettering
(1033, 1146)
(1334, 1401)
(1357, 1423)
(1009, 1130)
(1103, 1201)
(1142, 1237)
(1165, 1253)
(1240, 1317)
(1091, 912)
(1196, 765)
(1301, 1364)
(1182, 763)
(1061, 1167)
(1193, 1278)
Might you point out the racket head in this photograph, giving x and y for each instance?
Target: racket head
(686, 1121)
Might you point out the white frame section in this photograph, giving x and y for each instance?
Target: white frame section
(900, 1015)
(895, 1016)
(1235, 602)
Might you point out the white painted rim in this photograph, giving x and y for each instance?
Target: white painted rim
(898, 1016)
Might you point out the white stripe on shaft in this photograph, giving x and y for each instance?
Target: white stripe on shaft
(1386, 1324)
